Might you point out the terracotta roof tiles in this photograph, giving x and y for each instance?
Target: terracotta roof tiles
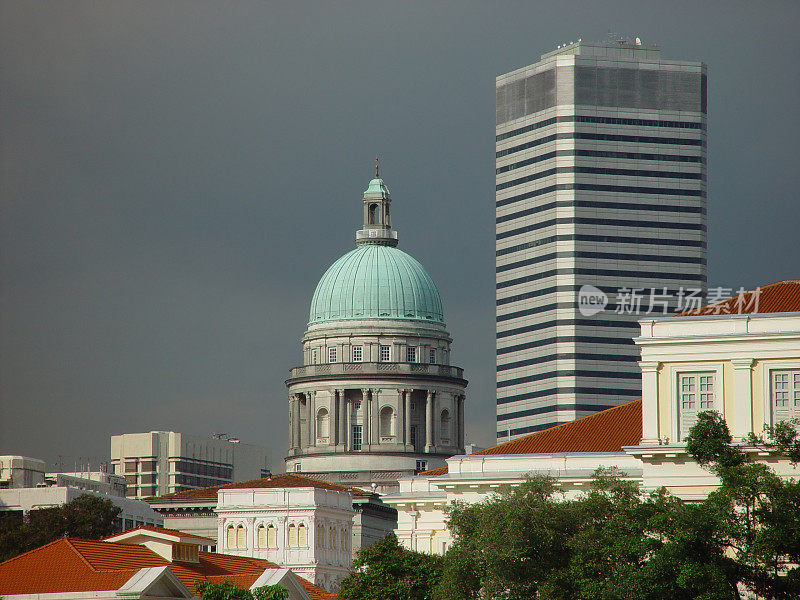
(604, 431)
(783, 296)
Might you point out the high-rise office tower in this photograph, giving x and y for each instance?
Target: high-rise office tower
(601, 181)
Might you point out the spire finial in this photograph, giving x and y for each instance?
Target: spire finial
(376, 167)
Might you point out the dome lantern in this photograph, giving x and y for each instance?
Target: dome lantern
(377, 228)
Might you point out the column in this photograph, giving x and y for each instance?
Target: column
(291, 422)
(376, 416)
(460, 409)
(346, 422)
(365, 427)
(742, 397)
(407, 418)
(650, 433)
(296, 421)
(342, 419)
(312, 418)
(401, 418)
(429, 422)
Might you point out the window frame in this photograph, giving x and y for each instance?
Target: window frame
(333, 355)
(357, 353)
(432, 356)
(768, 409)
(411, 354)
(388, 349)
(360, 430)
(718, 404)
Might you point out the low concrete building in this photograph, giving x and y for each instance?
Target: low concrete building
(21, 472)
(163, 462)
(56, 489)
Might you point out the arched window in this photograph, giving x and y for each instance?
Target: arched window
(292, 536)
(387, 421)
(230, 540)
(322, 423)
(302, 536)
(240, 537)
(373, 214)
(332, 539)
(445, 430)
(321, 534)
(344, 539)
(262, 536)
(272, 538)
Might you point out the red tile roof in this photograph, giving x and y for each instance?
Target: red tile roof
(783, 296)
(73, 565)
(287, 480)
(605, 431)
(174, 532)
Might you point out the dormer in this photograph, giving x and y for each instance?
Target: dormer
(171, 545)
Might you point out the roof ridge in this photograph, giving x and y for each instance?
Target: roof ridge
(80, 554)
(56, 541)
(541, 431)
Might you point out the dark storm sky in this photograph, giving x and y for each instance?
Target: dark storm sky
(176, 176)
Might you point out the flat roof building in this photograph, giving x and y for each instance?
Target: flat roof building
(163, 462)
(600, 196)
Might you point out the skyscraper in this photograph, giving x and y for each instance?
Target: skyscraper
(600, 181)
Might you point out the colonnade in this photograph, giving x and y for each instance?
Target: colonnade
(341, 420)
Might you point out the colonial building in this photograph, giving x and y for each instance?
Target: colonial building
(203, 512)
(739, 357)
(376, 397)
(306, 529)
(145, 562)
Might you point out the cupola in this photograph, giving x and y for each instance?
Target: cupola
(377, 227)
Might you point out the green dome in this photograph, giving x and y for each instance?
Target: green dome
(376, 281)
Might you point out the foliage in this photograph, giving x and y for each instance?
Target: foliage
(87, 517)
(388, 571)
(609, 543)
(227, 590)
(756, 514)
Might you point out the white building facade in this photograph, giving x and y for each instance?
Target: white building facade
(376, 397)
(600, 182)
(307, 530)
(163, 462)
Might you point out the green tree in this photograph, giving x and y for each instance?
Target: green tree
(87, 517)
(388, 571)
(610, 543)
(227, 590)
(757, 514)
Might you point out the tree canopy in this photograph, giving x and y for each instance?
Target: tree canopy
(614, 542)
(227, 590)
(87, 517)
(388, 571)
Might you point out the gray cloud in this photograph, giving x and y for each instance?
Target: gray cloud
(175, 177)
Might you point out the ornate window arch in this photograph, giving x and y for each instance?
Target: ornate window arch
(230, 537)
(292, 535)
(241, 536)
(302, 535)
(261, 536)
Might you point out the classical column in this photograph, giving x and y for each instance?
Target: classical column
(742, 397)
(365, 427)
(376, 416)
(342, 419)
(401, 418)
(292, 439)
(650, 433)
(429, 422)
(407, 416)
(346, 422)
(311, 400)
(460, 409)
